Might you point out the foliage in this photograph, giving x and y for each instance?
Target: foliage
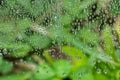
(59, 40)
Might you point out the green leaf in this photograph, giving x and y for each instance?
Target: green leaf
(22, 76)
(11, 3)
(117, 75)
(100, 77)
(5, 66)
(115, 8)
(62, 68)
(85, 34)
(3, 12)
(48, 57)
(87, 77)
(44, 72)
(83, 73)
(25, 4)
(66, 19)
(54, 79)
(74, 7)
(7, 27)
(78, 57)
(11, 32)
(23, 24)
(18, 50)
(38, 41)
(83, 14)
(108, 42)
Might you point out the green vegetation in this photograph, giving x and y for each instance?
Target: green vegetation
(59, 40)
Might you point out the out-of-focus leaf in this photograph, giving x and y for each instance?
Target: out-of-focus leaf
(11, 32)
(5, 66)
(103, 3)
(54, 79)
(23, 24)
(46, 54)
(6, 27)
(11, 3)
(83, 73)
(74, 7)
(117, 75)
(78, 56)
(115, 7)
(38, 41)
(100, 77)
(44, 72)
(3, 12)
(22, 76)
(25, 4)
(118, 55)
(62, 68)
(89, 37)
(33, 8)
(18, 50)
(66, 19)
(108, 42)
(117, 27)
(55, 34)
(87, 77)
(83, 14)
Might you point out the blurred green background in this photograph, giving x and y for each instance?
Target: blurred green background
(59, 39)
